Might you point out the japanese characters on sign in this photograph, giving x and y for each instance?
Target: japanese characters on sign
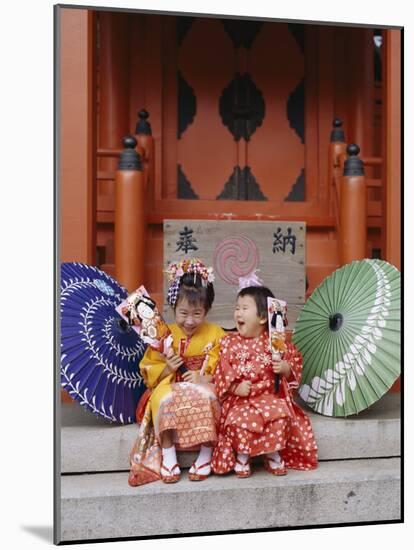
(186, 240)
(282, 242)
(275, 249)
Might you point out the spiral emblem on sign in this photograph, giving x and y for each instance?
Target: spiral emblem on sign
(235, 257)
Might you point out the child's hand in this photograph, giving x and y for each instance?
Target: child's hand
(192, 376)
(173, 361)
(243, 389)
(281, 367)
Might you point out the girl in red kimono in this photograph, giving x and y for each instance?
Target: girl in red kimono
(254, 419)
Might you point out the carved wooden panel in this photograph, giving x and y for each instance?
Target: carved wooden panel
(234, 249)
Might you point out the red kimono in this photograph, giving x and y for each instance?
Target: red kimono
(262, 422)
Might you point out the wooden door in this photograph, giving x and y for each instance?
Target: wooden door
(241, 105)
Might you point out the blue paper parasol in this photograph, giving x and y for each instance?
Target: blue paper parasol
(100, 353)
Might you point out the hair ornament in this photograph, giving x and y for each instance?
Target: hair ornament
(250, 280)
(176, 270)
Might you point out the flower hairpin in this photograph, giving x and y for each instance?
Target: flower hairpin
(250, 280)
(176, 270)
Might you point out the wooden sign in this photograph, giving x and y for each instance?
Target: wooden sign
(236, 248)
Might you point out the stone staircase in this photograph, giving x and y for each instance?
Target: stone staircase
(358, 480)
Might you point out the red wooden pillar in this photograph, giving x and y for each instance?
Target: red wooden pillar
(130, 224)
(353, 209)
(76, 138)
(77, 145)
(361, 91)
(113, 85)
(392, 149)
(392, 144)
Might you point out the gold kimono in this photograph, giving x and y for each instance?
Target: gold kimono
(190, 410)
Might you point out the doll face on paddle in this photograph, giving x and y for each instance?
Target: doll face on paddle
(189, 316)
(145, 311)
(248, 322)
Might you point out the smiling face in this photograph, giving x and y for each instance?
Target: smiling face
(248, 322)
(189, 316)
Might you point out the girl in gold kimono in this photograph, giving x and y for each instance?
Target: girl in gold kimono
(184, 408)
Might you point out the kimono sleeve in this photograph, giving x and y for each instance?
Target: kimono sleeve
(151, 367)
(214, 353)
(225, 374)
(258, 388)
(294, 357)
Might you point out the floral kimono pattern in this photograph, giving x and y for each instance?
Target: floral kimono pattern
(262, 422)
(191, 411)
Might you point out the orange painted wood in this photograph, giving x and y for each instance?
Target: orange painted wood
(106, 175)
(321, 252)
(396, 387)
(316, 274)
(136, 97)
(374, 208)
(106, 203)
(113, 114)
(372, 161)
(65, 397)
(111, 153)
(130, 225)
(77, 176)
(206, 150)
(336, 150)
(145, 148)
(105, 217)
(109, 269)
(170, 111)
(325, 107)
(352, 219)
(154, 60)
(194, 209)
(375, 222)
(392, 145)
(276, 154)
(373, 182)
(155, 251)
(150, 76)
(154, 277)
(251, 209)
(360, 50)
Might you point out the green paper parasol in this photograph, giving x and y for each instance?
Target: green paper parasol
(349, 335)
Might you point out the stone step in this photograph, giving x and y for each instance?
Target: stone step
(95, 506)
(91, 444)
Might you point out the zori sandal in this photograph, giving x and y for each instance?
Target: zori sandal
(195, 476)
(170, 478)
(279, 470)
(246, 471)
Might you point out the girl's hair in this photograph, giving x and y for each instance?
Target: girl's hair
(193, 290)
(260, 295)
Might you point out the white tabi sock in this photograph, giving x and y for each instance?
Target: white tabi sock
(244, 459)
(275, 457)
(169, 458)
(203, 458)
